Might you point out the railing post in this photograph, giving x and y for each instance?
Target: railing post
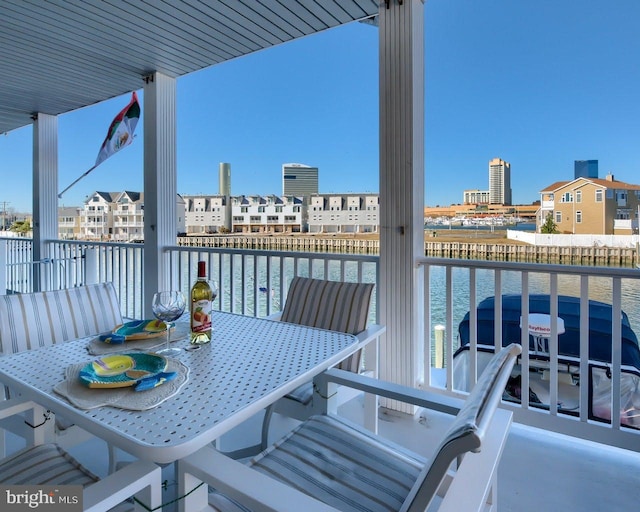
(3, 267)
(91, 265)
(439, 346)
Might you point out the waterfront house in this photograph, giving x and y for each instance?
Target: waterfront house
(205, 214)
(45, 62)
(268, 214)
(119, 216)
(343, 213)
(591, 206)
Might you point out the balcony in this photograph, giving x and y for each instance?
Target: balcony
(545, 446)
(539, 469)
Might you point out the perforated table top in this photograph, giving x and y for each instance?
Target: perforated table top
(249, 364)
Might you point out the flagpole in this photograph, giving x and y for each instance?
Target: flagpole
(60, 194)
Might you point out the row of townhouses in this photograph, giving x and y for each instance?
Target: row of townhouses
(581, 206)
(119, 216)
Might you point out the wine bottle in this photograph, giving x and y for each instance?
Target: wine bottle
(201, 297)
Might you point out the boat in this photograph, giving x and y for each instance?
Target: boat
(568, 331)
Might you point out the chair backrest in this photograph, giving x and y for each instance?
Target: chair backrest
(468, 429)
(32, 320)
(331, 305)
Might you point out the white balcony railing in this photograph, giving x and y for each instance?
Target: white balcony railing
(456, 287)
(252, 282)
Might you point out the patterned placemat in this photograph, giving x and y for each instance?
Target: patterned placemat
(99, 348)
(123, 398)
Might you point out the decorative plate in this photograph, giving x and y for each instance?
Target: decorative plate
(140, 370)
(135, 330)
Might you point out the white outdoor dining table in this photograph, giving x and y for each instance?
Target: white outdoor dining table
(249, 364)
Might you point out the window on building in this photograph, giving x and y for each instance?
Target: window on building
(238, 219)
(256, 218)
(567, 197)
(578, 196)
(278, 209)
(578, 217)
(260, 209)
(558, 217)
(244, 209)
(599, 196)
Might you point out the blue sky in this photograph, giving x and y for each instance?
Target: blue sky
(538, 83)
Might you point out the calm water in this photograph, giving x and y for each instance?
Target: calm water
(599, 289)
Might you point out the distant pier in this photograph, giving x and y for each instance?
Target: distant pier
(595, 256)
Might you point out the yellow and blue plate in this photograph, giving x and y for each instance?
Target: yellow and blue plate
(135, 330)
(139, 370)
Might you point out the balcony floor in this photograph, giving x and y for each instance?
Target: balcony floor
(539, 470)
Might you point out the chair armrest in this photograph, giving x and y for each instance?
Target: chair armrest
(474, 480)
(124, 483)
(251, 488)
(372, 332)
(15, 406)
(418, 397)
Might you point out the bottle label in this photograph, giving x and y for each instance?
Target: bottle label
(201, 318)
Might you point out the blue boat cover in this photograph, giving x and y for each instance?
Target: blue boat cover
(568, 342)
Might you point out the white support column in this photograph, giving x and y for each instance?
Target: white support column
(160, 183)
(401, 191)
(45, 191)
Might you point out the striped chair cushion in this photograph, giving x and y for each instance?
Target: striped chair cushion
(332, 305)
(342, 465)
(46, 464)
(33, 320)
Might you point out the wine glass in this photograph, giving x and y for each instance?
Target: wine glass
(167, 307)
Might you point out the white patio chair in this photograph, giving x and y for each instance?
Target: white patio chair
(332, 305)
(32, 320)
(330, 464)
(49, 464)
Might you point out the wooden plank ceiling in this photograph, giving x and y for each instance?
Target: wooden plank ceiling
(60, 55)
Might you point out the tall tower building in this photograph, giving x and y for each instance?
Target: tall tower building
(299, 180)
(224, 179)
(585, 169)
(499, 182)
(224, 189)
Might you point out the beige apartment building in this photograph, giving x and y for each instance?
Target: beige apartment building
(591, 206)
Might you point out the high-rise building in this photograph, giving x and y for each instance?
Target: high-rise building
(224, 189)
(585, 169)
(224, 179)
(499, 182)
(299, 180)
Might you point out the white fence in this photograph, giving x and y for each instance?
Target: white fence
(543, 239)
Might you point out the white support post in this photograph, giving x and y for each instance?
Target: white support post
(401, 47)
(160, 183)
(45, 192)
